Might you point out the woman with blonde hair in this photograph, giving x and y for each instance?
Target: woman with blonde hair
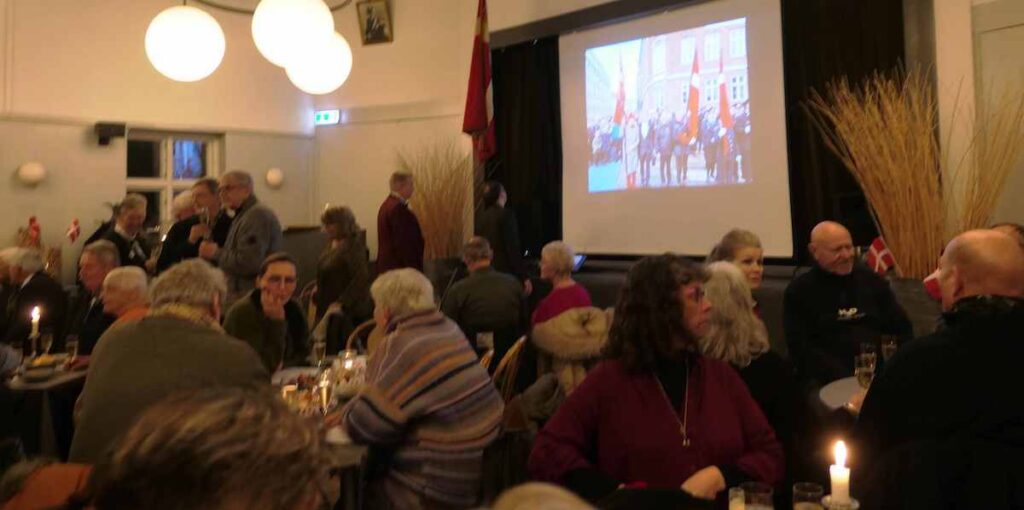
(742, 248)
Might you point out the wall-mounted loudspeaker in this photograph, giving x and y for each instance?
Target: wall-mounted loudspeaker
(107, 130)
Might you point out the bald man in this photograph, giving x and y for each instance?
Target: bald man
(948, 409)
(832, 309)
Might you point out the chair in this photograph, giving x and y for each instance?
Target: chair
(359, 340)
(508, 369)
(308, 304)
(485, 360)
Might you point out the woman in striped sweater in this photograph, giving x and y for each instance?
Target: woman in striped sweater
(428, 403)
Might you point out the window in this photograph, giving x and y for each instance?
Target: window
(711, 90)
(163, 164)
(738, 88)
(686, 51)
(737, 43)
(658, 56)
(712, 49)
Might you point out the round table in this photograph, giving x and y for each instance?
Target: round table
(837, 393)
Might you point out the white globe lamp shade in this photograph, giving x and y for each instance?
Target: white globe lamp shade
(31, 173)
(184, 43)
(283, 29)
(275, 178)
(323, 67)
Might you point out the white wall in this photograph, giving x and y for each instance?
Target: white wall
(257, 153)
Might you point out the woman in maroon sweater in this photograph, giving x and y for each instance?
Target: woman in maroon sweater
(657, 413)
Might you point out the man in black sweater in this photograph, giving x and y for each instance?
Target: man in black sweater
(943, 425)
(498, 226)
(832, 309)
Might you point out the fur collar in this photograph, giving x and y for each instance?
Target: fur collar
(576, 334)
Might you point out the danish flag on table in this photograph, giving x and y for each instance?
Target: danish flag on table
(74, 230)
(880, 259)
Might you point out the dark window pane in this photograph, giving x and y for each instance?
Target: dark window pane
(143, 158)
(153, 206)
(189, 159)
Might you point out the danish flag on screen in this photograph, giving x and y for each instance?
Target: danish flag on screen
(880, 259)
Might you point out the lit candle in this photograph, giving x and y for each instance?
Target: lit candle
(840, 476)
(35, 322)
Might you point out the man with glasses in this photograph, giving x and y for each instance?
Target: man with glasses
(210, 223)
(268, 319)
(835, 307)
(255, 233)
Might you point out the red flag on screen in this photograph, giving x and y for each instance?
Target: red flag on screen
(478, 119)
(693, 102)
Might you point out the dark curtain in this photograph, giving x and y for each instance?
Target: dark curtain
(527, 120)
(823, 40)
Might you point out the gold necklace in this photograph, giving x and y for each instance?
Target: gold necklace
(686, 405)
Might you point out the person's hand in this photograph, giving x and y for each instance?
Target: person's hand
(705, 484)
(208, 250)
(273, 305)
(527, 287)
(198, 231)
(150, 265)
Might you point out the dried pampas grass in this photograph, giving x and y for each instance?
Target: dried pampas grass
(444, 196)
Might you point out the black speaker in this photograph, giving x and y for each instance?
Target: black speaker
(107, 130)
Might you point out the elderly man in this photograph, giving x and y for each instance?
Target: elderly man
(487, 300)
(125, 294)
(255, 233)
(268, 319)
(32, 288)
(88, 319)
(946, 415)
(179, 345)
(399, 238)
(835, 307)
(127, 231)
(210, 222)
(176, 238)
(427, 401)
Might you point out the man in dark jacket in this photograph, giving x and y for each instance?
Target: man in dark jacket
(399, 238)
(210, 222)
(499, 227)
(126, 233)
(832, 309)
(268, 319)
(88, 320)
(33, 288)
(955, 392)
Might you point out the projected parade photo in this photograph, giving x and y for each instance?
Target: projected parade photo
(670, 110)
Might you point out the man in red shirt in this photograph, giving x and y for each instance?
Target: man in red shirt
(399, 238)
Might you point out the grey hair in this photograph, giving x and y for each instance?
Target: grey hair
(560, 255)
(192, 282)
(239, 178)
(132, 202)
(398, 179)
(732, 242)
(130, 280)
(477, 249)
(29, 260)
(104, 250)
(403, 291)
(182, 201)
(735, 334)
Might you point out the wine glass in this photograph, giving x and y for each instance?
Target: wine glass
(71, 347)
(319, 353)
(889, 346)
(807, 496)
(864, 369)
(870, 354)
(46, 342)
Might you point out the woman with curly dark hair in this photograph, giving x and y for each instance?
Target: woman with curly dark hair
(657, 413)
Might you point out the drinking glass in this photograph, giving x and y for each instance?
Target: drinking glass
(870, 353)
(71, 347)
(325, 392)
(889, 346)
(758, 496)
(737, 500)
(319, 353)
(807, 496)
(347, 360)
(46, 342)
(864, 369)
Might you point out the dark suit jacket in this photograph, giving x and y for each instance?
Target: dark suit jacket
(177, 248)
(42, 291)
(88, 321)
(498, 225)
(399, 238)
(129, 256)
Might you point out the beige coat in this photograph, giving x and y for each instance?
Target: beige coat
(570, 343)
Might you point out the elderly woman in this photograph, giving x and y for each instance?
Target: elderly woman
(556, 261)
(343, 271)
(742, 248)
(125, 294)
(657, 412)
(428, 401)
(737, 336)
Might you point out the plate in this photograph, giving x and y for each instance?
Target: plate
(38, 374)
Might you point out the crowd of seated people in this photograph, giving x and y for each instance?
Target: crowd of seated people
(675, 389)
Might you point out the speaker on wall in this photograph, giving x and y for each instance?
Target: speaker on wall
(107, 130)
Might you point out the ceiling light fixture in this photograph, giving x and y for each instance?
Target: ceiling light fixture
(184, 43)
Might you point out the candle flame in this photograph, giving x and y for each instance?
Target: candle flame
(35, 313)
(840, 451)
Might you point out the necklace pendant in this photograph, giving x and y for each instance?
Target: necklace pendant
(686, 442)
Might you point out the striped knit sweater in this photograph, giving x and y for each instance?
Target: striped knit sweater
(428, 398)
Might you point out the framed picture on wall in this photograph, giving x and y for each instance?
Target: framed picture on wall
(375, 21)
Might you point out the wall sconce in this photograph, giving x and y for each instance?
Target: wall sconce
(275, 178)
(31, 173)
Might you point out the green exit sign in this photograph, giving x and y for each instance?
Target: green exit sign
(326, 117)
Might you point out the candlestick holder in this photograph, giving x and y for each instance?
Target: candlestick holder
(827, 502)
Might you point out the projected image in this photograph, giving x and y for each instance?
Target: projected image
(670, 110)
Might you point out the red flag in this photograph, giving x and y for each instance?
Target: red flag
(478, 119)
(74, 231)
(723, 97)
(880, 259)
(932, 287)
(620, 98)
(693, 102)
(34, 230)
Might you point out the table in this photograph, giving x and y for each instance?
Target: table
(837, 393)
(45, 412)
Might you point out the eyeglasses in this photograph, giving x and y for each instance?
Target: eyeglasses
(281, 280)
(695, 294)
